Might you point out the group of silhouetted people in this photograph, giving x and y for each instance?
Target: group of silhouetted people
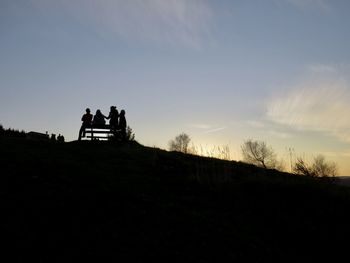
(117, 121)
(59, 138)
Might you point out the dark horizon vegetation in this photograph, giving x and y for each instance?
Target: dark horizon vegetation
(64, 202)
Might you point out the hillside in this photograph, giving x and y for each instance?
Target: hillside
(66, 202)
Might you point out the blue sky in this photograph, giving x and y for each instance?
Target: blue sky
(222, 71)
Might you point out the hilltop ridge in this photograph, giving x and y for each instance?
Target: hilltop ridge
(97, 200)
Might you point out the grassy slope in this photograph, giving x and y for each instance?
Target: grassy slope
(64, 202)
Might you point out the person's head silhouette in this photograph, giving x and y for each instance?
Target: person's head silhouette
(87, 110)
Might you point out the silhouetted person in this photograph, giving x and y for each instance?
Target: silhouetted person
(53, 137)
(60, 138)
(122, 124)
(86, 119)
(113, 118)
(99, 119)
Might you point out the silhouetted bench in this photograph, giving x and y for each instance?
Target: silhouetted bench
(99, 132)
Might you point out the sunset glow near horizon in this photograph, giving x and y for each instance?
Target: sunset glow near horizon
(221, 71)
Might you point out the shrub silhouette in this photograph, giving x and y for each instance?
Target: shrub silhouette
(130, 135)
(180, 143)
(319, 168)
(259, 154)
(11, 132)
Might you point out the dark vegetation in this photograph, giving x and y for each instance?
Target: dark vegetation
(68, 202)
(12, 132)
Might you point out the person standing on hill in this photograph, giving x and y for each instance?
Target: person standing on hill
(122, 124)
(113, 118)
(86, 119)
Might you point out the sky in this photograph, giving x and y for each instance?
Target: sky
(222, 71)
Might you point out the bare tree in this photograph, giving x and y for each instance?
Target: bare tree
(130, 135)
(258, 153)
(322, 168)
(302, 168)
(319, 168)
(180, 143)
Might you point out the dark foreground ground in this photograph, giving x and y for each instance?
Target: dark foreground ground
(106, 203)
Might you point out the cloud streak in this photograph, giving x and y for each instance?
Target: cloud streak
(215, 130)
(183, 22)
(201, 126)
(302, 4)
(206, 128)
(320, 105)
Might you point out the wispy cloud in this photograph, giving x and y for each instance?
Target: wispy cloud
(206, 128)
(215, 130)
(279, 134)
(321, 68)
(200, 126)
(256, 124)
(320, 104)
(302, 4)
(345, 154)
(183, 22)
(269, 128)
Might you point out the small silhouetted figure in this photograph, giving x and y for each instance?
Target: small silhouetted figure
(86, 119)
(99, 119)
(122, 124)
(53, 137)
(60, 138)
(113, 118)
